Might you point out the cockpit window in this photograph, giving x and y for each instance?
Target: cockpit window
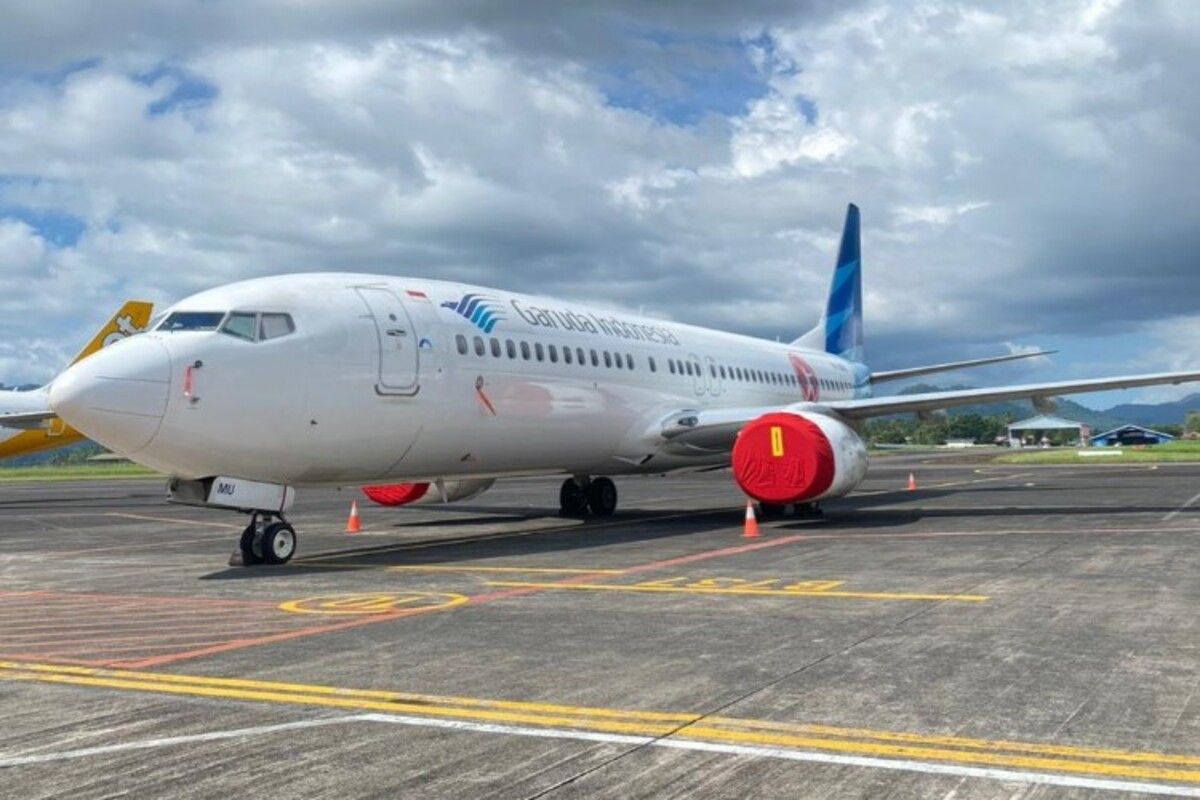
(273, 326)
(240, 324)
(192, 321)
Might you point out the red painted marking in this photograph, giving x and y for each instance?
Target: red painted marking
(416, 293)
(238, 644)
(134, 598)
(187, 381)
(483, 399)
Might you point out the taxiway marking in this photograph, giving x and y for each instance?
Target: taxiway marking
(658, 587)
(1045, 763)
(1172, 514)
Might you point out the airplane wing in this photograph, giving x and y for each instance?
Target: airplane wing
(715, 429)
(912, 372)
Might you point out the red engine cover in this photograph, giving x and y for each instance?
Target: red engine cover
(395, 494)
(782, 458)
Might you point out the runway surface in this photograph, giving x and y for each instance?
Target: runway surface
(1000, 632)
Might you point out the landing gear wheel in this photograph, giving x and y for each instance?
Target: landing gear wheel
(571, 499)
(251, 550)
(278, 543)
(602, 497)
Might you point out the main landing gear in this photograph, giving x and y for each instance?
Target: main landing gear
(264, 541)
(798, 510)
(583, 496)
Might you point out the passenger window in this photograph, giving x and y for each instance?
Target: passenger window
(539, 351)
(272, 326)
(595, 359)
(461, 341)
(628, 361)
(671, 365)
(510, 347)
(525, 350)
(241, 325)
(579, 353)
(712, 370)
(553, 353)
(495, 348)
(479, 347)
(608, 359)
(653, 366)
(722, 371)
(566, 355)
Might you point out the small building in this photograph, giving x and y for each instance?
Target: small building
(1130, 435)
(1040, 428)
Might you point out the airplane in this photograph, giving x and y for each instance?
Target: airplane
(246, 391)
(51, 432)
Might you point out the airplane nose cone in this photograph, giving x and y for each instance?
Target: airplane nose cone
(117, 396)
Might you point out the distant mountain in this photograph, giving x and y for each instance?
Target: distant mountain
(1151, 414)
(1067, 409)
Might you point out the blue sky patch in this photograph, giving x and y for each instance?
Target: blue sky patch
(190, 91)
(58, 228)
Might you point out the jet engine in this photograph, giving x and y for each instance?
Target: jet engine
(403, 494)
(787, 457)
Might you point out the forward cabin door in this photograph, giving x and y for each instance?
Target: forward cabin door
(398, 342)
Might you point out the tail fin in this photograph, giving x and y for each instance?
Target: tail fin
(131, 318)
(840, 330)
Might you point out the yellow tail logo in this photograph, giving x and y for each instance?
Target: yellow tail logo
(133, 317)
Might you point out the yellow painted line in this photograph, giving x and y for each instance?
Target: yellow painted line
(532, 570)
(331, 701)
(957, 741)
(689, 726)
(359, 604)
(612, 587)
(319, 689)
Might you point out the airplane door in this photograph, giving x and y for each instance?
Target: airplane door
(398, 341)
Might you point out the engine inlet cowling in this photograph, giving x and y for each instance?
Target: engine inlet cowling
(396, 494)
(794, 457)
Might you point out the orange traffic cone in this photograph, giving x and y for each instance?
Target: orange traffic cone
(750, 529)
(912, 483)
(352, 524)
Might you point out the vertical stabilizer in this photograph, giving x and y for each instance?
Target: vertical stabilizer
(840, 330)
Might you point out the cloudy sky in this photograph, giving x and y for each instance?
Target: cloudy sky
(1029, 173)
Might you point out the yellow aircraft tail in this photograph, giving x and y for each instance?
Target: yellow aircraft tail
(132, 318)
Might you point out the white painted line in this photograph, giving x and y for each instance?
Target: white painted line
(148, 744)
(902, 765)
(175, 520)
(1171, 515)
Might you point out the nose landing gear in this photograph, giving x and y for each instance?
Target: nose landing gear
(265, 542)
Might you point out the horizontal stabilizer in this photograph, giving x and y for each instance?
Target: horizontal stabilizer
(949, 366)
(26, 419)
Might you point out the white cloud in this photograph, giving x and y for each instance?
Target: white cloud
(1035, 149)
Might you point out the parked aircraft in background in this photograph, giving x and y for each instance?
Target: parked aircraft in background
(245, 391)
(49, 432)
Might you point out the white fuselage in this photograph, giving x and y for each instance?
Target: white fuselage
(373, 386)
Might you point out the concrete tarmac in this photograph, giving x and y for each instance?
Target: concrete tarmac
(1000, 632)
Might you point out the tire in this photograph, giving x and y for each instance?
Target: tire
(602, 497)
(571, 499)
(278, 543)
(246, 545)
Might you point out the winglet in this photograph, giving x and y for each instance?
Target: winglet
(133, 317)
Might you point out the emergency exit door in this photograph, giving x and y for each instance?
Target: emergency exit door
(398, 363)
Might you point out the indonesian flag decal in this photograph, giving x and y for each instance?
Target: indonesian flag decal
(809, 387)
